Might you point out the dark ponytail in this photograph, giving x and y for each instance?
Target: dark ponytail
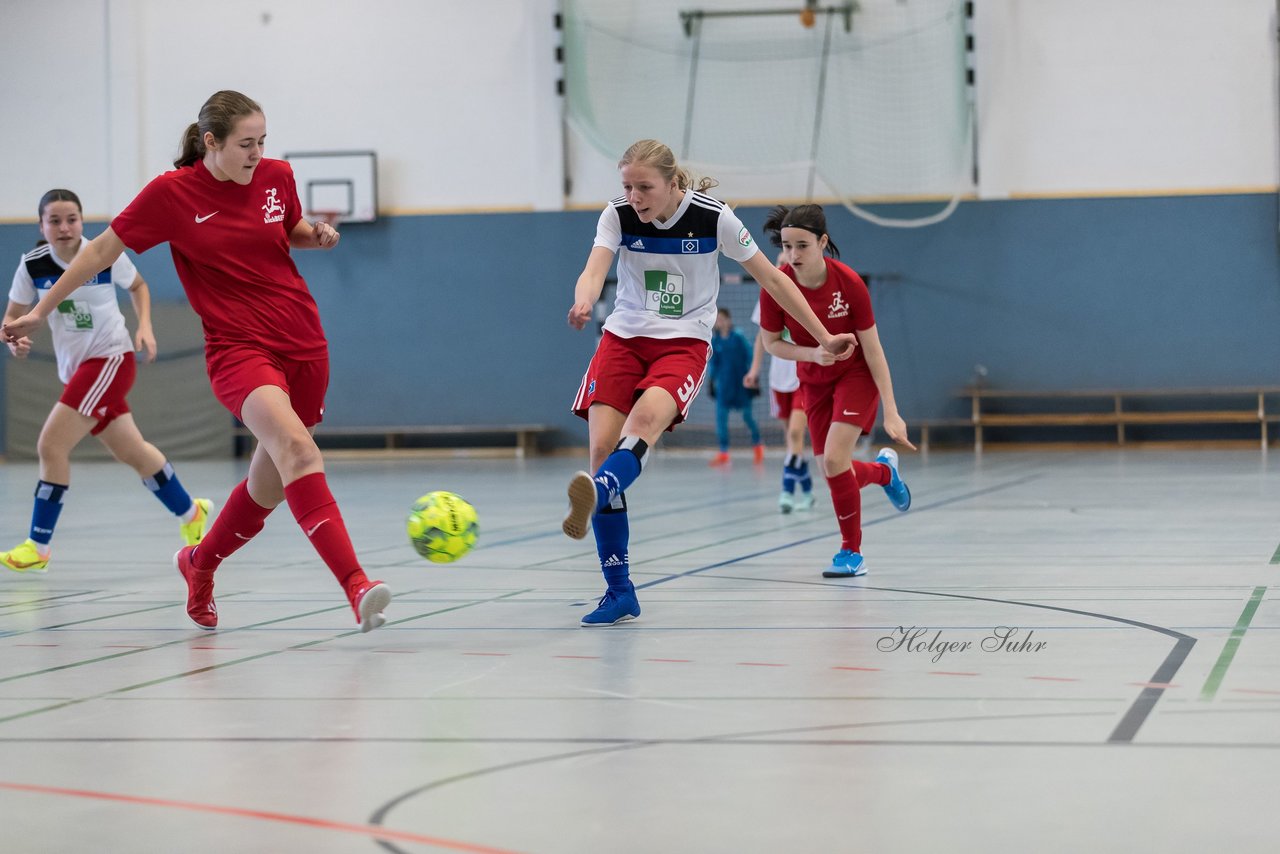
(809, 217)
(191, 148)
(218, 116)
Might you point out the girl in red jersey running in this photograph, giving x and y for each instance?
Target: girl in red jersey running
(650, 363)
(96, 364)
(840, 399)
(230, 217)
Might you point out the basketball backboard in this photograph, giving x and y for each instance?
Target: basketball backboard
(345, 182)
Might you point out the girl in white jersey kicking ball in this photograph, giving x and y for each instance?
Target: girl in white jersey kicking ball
(96, 364)
(650, 363)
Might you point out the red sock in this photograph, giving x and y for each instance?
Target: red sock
(847, 501)
(869, 473)
(318, 515)
(239, 521)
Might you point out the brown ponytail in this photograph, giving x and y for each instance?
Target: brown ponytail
(191, 148)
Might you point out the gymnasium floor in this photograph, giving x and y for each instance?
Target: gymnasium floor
(754, 707)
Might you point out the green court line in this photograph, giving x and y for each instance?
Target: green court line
(1275, 558)
(1233, 643)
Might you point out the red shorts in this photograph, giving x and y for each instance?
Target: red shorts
(236, 371)
(98, 387)
(623, 368)
(783, 403)
(852, 399)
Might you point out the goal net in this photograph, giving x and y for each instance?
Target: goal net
(869, 103)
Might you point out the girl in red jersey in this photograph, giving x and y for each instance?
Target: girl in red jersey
(840, 399)
(230, 217)
(96, 364)
(649, 365)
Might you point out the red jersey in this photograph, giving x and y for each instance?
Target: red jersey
(230, 245)
(843, 304)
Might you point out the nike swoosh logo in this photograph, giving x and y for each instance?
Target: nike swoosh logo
(317, 527)
(242, 536)
(206, 216)
(847, 412)
(846, 516)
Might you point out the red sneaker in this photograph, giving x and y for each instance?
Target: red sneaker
(720, 459)
(758, 455)
(200, 606)
(369, 599)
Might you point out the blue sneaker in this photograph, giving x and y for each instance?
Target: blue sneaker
(845, 564)
(614, 607)
(897, 490)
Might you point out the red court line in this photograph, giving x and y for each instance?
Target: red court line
(760, 664)
(865, 669)
(282, 818)
(1254, 691)
(1054, 678)
(487, 653)
(951, 673)
(584, 657)
(672, 660)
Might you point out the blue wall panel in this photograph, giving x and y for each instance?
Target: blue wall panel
(461, 319)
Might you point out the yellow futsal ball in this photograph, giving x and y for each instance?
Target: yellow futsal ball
(442, 527)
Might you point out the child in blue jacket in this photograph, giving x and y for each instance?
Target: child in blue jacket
(730, 361)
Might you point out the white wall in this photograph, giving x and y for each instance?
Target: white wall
(457, 98)
(1081, 96)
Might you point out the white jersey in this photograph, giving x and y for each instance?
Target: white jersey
(88, 323)
(669, 272)
(782, 372)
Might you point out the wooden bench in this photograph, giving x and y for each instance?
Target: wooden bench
(926, 426)
(522, 439)
(1120, 409)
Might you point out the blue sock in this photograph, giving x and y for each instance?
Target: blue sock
(802, 475)
(620, 469)
(613, 533)
(168, 489)
(788, 476)
(44, 513)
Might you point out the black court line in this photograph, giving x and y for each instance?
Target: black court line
(1141, 707)
(1125, 730)
(245, 659)
(735, 739)
(933, 506)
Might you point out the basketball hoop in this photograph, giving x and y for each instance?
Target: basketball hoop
(808, 15)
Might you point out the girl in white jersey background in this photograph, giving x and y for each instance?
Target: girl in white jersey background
(786, 405)
(653, 355)
(96, 365)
